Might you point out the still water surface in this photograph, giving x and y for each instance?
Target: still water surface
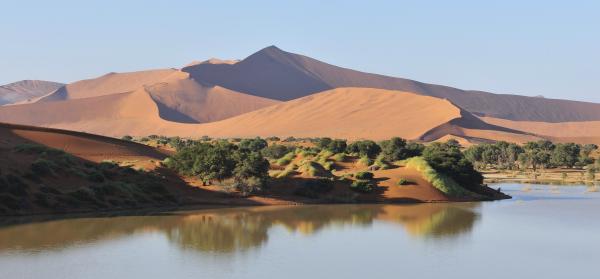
(544, 232)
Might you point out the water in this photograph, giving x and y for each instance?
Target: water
(544, 232)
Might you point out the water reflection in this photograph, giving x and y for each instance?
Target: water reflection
(239, 229)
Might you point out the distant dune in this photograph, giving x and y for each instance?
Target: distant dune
(110, 84)
(26, 90)
(276, 74)
(355, 113)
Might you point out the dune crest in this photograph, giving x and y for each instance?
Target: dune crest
(26, 90)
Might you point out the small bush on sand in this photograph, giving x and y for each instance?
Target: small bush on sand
(362, 186)
(364, 175)
(404, 182)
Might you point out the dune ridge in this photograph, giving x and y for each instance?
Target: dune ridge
(26, 90)
(276, 74)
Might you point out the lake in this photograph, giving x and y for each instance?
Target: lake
(543, 232)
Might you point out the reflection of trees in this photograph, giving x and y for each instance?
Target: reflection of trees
(230, 230)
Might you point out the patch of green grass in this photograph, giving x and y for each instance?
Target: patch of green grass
(438, 180)
(365, 161)
(339, 157)
(286, 159)
(381, 163)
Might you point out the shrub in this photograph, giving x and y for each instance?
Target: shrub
(404, 181)
(339, 157)
(30, 148)
(257, 144)
(95, 176)
(314, 187)
(289, 169)
(42, 167)
(286, 159)
(439, 180)
(365, 161)
(364, 175)
(362, 186)
(276, 151)
(127, 138)
(273, 139)
(449, 160)
(366, 148)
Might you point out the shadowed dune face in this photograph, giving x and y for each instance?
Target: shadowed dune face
(26, 90)
(276, 74)
(111, 83)
(187, 101)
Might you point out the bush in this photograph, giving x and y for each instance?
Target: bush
(339, 157)
(364, 175)
(256, 145)
(362, 186)
(276, 151)
(439, 180)
(314, 187)
(95, 176)
(127, 138)
(404, 182)
(366, 148)
(449, 160)
(285, 160)
(42, 167)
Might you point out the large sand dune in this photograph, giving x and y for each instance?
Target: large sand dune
(276, 74)
(355, 113)
(25, 90)
(110, 84)
(350, 113)
(187, 101)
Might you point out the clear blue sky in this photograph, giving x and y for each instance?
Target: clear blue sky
(549, 48)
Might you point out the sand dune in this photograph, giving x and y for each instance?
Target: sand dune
(351, 113)
(354, 113)
(579, 132)
(276, 74)
(111, 83)
(25, 90)
(187, 101)
(87, 146)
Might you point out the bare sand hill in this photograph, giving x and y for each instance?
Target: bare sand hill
(110, 84)
(341, 113)
(351, 113)
(87, 146)
(355, 113)
(580, 132)
(25, 90)
(156, 109)
(276, 74)
(187, 101)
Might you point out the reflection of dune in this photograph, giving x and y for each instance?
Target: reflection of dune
(238, 229)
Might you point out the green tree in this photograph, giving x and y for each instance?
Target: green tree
(366, 148)
(566, 155)
(256, 144)
(450, 161)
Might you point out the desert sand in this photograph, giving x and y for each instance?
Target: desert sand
(26, 90)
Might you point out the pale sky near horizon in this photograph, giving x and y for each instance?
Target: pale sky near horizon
(549, 48)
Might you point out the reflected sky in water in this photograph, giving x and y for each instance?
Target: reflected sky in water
(544, 230)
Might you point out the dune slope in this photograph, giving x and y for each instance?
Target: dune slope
(110, 84)
(276, 74)
(25, 90)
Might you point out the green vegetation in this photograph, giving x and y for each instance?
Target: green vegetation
(276, 151)
(222, 160)
(396, 149)
(447, 159)
(404, 182)
(362, 186)
(364, 148)
(286, 159)
(364, 175)
(534, 155)
(333, 145)
(438, 180)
